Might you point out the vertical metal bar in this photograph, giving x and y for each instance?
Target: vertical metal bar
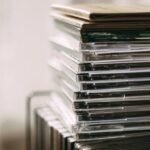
(28, 114)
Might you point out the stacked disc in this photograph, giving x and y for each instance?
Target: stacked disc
(102, 60)
(51, 134)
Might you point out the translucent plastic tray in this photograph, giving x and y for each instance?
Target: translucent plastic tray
(101, 129)
(101, 51)
(125, 75)
(104, 93)
(105, 103)
(71, 44)
(106, 84)
(138, 143)
(106, 66)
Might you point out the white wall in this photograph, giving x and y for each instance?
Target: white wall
(24, 50)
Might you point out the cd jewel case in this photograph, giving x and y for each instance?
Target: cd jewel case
(52, 134)
(101, 58)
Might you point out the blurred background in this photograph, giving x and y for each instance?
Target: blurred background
(24, 50)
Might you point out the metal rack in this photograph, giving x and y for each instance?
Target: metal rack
(30, 107)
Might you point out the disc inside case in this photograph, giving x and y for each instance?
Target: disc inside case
(99, 77)
(104, 84)
(105, 66)
(101, 93)
(52, 133)
(125, 144)
(101, 129)
(72, 44)
(106, 51)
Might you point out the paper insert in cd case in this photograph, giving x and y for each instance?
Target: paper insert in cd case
(91, 32)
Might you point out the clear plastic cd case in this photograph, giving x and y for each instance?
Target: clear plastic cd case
(103, 95)
(100, 123)
(94, 32)
(52, 134)
(88, 52)
(104, 92)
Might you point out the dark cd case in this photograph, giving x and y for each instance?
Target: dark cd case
(51, 134)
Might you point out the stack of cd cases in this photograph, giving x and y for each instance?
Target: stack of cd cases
(102, 60)
(51, 134)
